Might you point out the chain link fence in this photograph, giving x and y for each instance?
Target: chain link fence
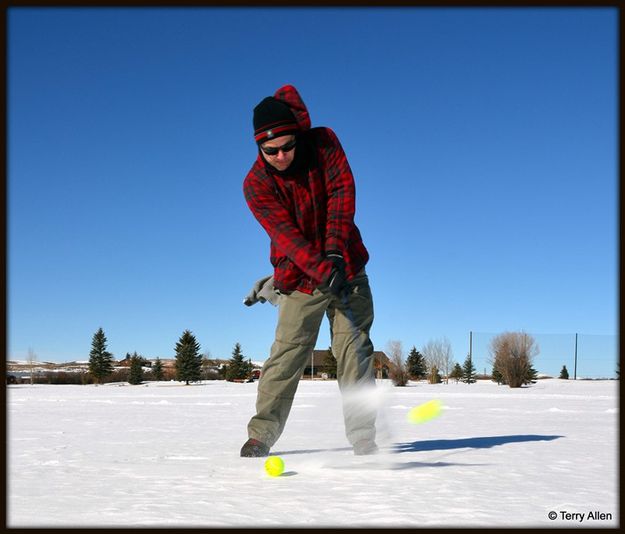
(584, 355)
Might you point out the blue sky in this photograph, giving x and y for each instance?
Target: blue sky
(483, 142)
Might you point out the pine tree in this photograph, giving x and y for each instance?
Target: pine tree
(415, 362)
(456, 373)
(136, 369)
(158, 370)
(100, 360)
(497, 376)
(468, 371)
(329, 363)
(188, 358)
(564, 374)
(530, 375)
(238, 368)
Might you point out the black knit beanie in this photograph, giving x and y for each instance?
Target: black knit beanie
(273, 118)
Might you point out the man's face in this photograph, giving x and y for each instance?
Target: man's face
(284, 156)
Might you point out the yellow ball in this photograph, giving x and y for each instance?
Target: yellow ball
(425, 412)
(274, 465)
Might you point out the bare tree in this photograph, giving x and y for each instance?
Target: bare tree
(207, 365)
(398, 371)
(512, 354)
(438, 353)
(31, 360)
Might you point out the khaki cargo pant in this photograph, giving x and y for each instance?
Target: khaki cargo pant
(299, 320)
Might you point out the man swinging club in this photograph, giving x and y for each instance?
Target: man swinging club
(301, 190)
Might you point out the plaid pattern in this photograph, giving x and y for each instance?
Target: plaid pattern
(309, 213)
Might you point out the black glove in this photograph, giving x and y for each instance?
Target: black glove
(337, 283)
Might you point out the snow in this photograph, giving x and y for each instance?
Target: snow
(167, 455)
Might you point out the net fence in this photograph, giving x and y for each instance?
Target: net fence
(597, 355)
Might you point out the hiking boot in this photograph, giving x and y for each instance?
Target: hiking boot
(254, 449)
(364, 447)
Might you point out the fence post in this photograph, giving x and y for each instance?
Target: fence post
(575, 370)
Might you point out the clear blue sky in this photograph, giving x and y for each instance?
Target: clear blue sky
(483, 142)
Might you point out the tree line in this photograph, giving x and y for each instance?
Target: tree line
(512, 355)
(189, 363)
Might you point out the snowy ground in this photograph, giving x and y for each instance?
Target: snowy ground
(165, 454)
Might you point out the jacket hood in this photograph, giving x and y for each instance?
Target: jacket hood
(289, 95)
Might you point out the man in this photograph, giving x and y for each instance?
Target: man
(301, 190)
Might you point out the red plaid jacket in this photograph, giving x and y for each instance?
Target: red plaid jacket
(308, 213)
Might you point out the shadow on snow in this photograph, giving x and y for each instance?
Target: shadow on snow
(468, 443)
(441, 444)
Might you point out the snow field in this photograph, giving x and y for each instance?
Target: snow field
(165, 454)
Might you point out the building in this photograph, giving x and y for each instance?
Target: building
(318, 368)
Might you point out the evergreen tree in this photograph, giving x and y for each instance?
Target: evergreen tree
(158, 370)
(136, 369)
(417, 368)
(468, 371)
(238, 368)
(100, 360)
(329, 363)
(188, 358)
(497, 376)
(530, 375)
(564, 374)
(456, 373)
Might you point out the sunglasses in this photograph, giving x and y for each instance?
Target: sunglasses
(273, 150)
